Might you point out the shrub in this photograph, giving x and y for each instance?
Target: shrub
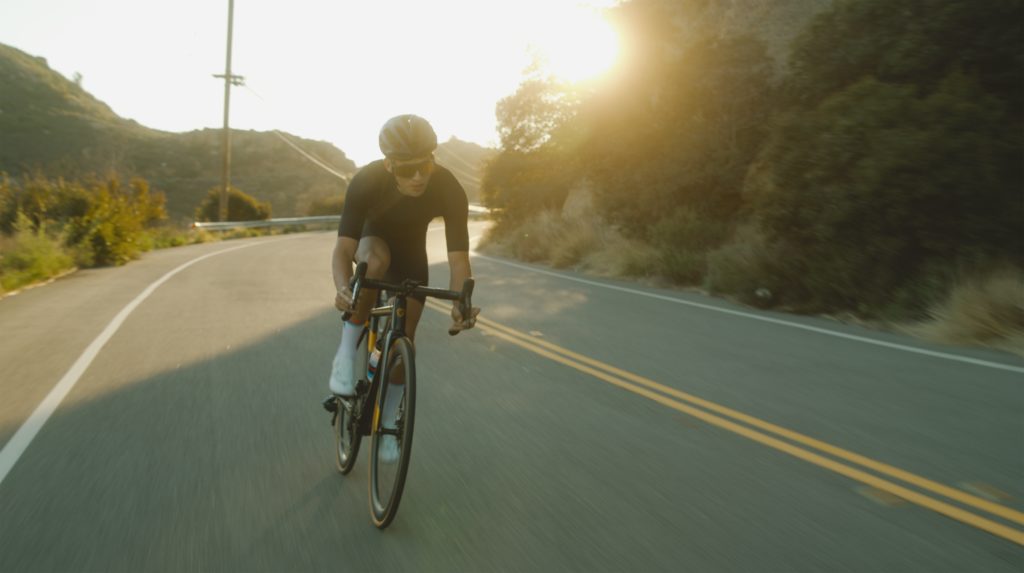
(111, 232)
(41, 201)
(575, 240)
(532, 240)
(683, 239)
(241, 206)
(326, 206)
(749, 269)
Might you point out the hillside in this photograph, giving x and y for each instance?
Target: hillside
(52, 125)
(466, 160)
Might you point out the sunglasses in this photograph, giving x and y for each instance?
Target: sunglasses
(409, 170)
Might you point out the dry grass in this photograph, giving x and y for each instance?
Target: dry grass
(986, 310)
(580, 242)
(29, 257)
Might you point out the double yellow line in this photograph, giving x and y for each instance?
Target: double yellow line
(762, 432)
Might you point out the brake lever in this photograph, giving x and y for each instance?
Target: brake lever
(465, 303)
(356, 284)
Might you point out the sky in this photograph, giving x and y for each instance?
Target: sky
(328, 70)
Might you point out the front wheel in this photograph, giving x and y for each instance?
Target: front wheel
(391, 442)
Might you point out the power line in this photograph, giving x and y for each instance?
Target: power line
(315, 161)
(448, 152)
(310, 156)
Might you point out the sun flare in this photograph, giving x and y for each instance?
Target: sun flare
(577, 45)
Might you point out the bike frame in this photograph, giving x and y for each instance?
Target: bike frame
(395, 313)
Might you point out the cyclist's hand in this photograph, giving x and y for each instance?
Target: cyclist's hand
(343, 300)
(459, 323)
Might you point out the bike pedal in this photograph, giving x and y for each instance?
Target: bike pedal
(331, 403)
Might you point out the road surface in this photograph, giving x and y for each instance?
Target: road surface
(586, 425)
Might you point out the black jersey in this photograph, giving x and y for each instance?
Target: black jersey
(374, 207)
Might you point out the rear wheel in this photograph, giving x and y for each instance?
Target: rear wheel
(391, 442)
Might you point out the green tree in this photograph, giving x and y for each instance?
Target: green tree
(528, 118)
(915, 42)
(520, 185)
(879, 186)
(896, 161)
(692, 148)
(534, 169)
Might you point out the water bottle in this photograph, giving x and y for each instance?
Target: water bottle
(372, 367)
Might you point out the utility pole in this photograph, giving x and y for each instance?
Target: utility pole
(229, 80)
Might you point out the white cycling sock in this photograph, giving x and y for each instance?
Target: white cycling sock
(342, 375)
(349, 338)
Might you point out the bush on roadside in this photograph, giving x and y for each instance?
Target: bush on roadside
(751, 270)
(53, 225)
(111, 232)
(241, 206)
(326, 206)
(683, 239)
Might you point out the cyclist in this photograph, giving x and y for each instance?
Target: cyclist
(388, 206)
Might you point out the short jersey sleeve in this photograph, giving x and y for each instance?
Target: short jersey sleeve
(456, 215)
(357, 204)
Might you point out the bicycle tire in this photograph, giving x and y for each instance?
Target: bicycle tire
(346, 436)
(387, 480)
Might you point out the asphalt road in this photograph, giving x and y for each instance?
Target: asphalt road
(587, 425)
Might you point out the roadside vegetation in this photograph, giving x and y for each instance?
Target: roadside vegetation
(869, 168)
(49, 227)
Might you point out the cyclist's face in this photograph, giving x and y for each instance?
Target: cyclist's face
(412, 175)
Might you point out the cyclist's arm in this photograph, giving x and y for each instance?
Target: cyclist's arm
(456, 230)
(341, 261)
(349, 230)
(458, 262)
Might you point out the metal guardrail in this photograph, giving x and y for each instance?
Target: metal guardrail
(285, 222)
(474, 211)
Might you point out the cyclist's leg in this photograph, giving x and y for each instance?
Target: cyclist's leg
(375, 253)
(414, 310)
(409, 261)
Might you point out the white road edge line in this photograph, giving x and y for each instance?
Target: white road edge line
(18, 443)
(932, 353)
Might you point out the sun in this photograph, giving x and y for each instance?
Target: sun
(577, 44)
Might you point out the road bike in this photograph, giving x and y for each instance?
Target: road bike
(369, 412)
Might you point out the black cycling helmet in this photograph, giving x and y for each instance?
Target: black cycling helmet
(407, 137)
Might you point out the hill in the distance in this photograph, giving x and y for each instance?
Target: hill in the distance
(466, 160)
(51, 125)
